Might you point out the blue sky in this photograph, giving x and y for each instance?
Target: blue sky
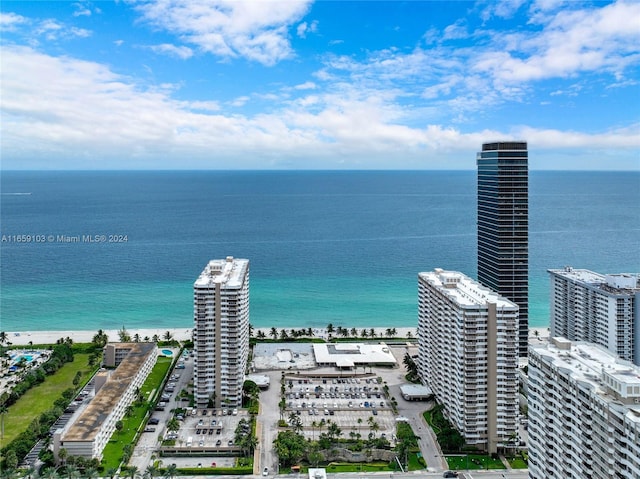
(163, 84)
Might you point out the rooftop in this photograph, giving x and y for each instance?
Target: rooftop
(612, 283)
(463, 290)
(613, 379)
(228, 272)
(351, 354)
(86, 427)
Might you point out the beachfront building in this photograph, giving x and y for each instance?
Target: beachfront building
(221, 332)
(115, 391)
(600, 309)
(584, 413)
(503, 226)
(468, 356)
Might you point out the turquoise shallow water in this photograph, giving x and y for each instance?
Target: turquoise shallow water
(325, 247)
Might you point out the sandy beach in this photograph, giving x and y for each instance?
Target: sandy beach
(50, 337)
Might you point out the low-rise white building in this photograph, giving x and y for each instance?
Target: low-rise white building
(468, 356)
(584, 413)
(352, 355)
(89, 433)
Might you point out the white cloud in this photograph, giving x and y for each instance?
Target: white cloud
(240, 101)
(571, 41)
(501, 9)
(254, 30)
(87, 114)
(81, 10)
(173, 50)
(455, 31)
(309, 85)
(10, 21)
(305, 28)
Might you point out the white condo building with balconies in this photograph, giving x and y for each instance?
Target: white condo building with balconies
(600, 309)
(221, 332)
(468, 355)
(584, 413)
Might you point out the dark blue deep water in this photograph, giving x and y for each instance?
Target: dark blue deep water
(325, 247)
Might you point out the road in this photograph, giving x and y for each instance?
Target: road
(267, 423)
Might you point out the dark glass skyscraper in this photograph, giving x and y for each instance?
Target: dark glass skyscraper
(503, 226)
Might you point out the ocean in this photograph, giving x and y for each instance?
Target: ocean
(91, 250)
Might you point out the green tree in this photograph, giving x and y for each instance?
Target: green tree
(11, 459)
(150, 472)
(132, 472)
(62, 455)
(124, 336)
(171, 471)
(290, 447)
(119, 426)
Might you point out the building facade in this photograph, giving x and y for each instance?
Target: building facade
(468, 356)
(503, 226)
(89, 433)
(600, 309)
(584, 413)
(221, 332)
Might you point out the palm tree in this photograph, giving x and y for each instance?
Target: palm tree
(261, 334)
(62, 455)
(330, 329)
(372, 333)
(50, 473)
(73, 472)
(364, 333)
(150, 472)
(168, 336)
(3, 337)
(251, 328)
(249, 445)
(274, 333)
(310, 332)
(132, 472)
(173, 425)
(136, 338)
(111, 472)
(354, 332)
(155, 338)
(283, 334)
(171, 471)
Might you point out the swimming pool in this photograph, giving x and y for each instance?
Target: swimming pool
(167, 352)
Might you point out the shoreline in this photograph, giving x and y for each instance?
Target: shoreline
(23, 338)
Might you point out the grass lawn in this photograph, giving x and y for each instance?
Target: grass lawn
(357, 467)
(41, 397)
(473, 461)
(416, 462)
(157, 374)
(518, 463)
(112, 454)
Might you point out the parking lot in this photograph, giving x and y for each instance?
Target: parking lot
(357, 405)
(208, 429)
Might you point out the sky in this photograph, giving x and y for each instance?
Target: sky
(207, 84)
